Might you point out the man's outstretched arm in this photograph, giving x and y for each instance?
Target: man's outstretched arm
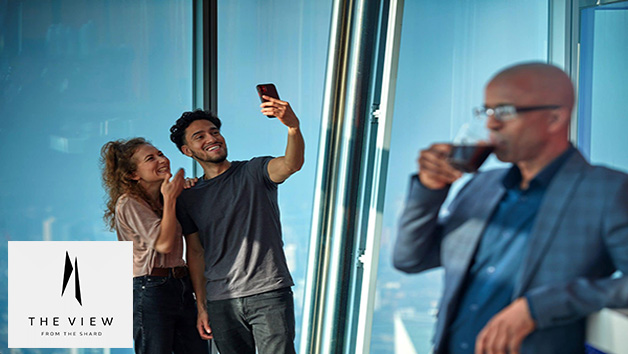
(280, 168)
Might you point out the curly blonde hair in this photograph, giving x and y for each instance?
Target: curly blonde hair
(117, 164)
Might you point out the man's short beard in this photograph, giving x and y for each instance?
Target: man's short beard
(218, 160)
(210, 160)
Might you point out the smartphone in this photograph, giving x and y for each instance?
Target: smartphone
(268, 90)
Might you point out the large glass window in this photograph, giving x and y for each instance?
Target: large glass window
(283, 42)
(73, 75)
(449, 49)
(602, 86)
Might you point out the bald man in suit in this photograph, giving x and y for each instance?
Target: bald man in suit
(529, 250)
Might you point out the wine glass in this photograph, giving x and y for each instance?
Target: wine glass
(471, 146)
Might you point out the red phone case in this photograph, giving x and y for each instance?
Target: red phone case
(268, 90)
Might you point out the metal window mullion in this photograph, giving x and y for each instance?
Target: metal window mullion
(346, 112)
(318, 255)
(371, 256)
(204, 59)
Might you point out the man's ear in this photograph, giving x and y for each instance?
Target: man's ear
(186, 150)
(559, 119)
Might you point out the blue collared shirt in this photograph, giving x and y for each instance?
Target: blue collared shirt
(496, 267)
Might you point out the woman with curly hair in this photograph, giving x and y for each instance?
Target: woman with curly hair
(141, 208)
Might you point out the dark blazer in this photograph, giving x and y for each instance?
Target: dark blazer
(578, 240)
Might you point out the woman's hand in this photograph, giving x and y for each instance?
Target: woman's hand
(189, 182)
(171, 189)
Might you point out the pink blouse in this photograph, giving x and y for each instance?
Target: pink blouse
(137, 222)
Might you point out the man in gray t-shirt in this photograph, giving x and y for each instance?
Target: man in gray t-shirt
(235, 249)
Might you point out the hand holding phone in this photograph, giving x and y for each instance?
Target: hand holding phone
(267, 90)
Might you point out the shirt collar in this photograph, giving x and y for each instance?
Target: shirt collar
(512, 179)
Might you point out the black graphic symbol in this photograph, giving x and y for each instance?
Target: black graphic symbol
(66, 277)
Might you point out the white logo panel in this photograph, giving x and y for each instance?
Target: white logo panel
(70, 294)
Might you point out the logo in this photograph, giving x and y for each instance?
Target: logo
(66, 277)
(40, 317)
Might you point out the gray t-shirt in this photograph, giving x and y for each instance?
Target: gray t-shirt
(236, 215)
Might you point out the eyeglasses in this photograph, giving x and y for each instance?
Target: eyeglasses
(507, 112)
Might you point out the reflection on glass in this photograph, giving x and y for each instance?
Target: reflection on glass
(601, 113)
(73, 75)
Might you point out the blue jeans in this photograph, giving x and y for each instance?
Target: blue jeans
(164, 316)
(264, 320)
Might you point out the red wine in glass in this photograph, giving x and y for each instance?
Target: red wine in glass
(468, 158)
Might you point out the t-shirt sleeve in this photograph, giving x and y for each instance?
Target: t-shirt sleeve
(140, 220)
(259, 170)
(187, 224)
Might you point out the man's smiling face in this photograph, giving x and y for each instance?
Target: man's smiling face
(204, 142)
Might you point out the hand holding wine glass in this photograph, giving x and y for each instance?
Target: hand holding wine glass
(435, 172)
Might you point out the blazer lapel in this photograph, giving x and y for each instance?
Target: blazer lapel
(559, 193)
